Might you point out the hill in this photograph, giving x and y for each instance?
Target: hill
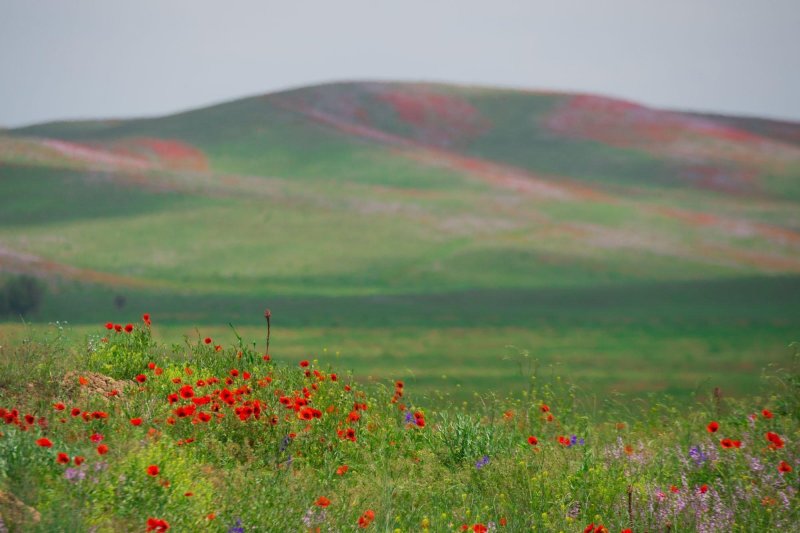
(445, 210)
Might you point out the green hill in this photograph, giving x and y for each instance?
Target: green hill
(440, 222)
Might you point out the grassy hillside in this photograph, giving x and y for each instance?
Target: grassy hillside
(452, 220)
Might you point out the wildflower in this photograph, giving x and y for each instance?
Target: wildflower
(207, 340)
(304, 363)
(102, 449)
(44, 442)
(146, 318)
(62, 458)
(78, 459)
(766, 413)
(503, 521)
(726, 443)
(152, 470)
(128, 328)
(479, 528)
(482, 462)
(697, 455)
(674, 489)
(784, 467)
(141, 378)
(136, 421)
(74, 474)
(533, 441)
(75, 411)
(544, 408)
(59, 406)
(237, 528)
(342, 470)
(157, 524)
(775, 440)
(211, 516)
(366, 519)
(117, 328)
(96, 437)
(703, 488)
(109, 325)
(322, 501)
(712, 427)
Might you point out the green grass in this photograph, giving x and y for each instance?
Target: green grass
(497, 461)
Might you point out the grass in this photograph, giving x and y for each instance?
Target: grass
(378, 456)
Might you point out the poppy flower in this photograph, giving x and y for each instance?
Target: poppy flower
(533, 441)
(62, 458)
(766, 413)
(544, 408)
(322, 501)
(136, 421)
(146, 318)
(674, 489)
(78, 460)
(775, 440)
(152, 470)
(303, 363)
(141, 378)
(96, 437)
(712, 427)
(211, 516)
(503, 521)
(207, 340)
(342, 470)
(83, 381)
(102, 449)
(59, 406)
(784, 467)
(366, 519)
(157, 524)
(44, 442)
(703, 488)
(109, 325)
(75, 411)
(726, 443)
(118, 328)
(479, 528)
(128, 328)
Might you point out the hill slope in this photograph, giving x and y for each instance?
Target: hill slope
(388, 204)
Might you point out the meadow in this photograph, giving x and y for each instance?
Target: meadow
(126, 433)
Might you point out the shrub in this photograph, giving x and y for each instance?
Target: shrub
(21, 296)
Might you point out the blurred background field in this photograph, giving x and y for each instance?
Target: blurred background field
(424, 232)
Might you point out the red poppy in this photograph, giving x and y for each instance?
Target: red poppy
(544, 408)
(207, 340)
(78, 460)
(712, 427)
(136, 421)
(533, 441)
(674, 489)
(146, 318)
(342, 470)
(141, 378)
(188, 494)
(503, 521)
(117, 328)
(726, 443)
(109, 325)
(775, 440)
(304, 363)
(186, 392)
(128, 328)
(766, 413)
(75, 411)
(479, 528)
(152, 470)
(322, 501)
(96, 437)
(211, 516)
(62, 458)
(784, 467)
(157, 524)
(102, 449)
(44, 442)
(59, 406)
(366, 519)
(703, 488)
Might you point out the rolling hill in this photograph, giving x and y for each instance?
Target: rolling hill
(431, 225)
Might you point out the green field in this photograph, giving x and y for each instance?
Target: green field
(426, 232)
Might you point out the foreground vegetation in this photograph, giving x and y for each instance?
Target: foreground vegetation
(127, 434)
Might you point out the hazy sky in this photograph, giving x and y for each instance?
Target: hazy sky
(103, 58)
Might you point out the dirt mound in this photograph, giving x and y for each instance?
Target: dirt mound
(75, 382)
(14, 511)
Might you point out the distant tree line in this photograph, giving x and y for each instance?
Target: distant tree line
(20, 296)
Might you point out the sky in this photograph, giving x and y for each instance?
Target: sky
(72, 59)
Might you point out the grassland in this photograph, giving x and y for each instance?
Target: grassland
(420, 230)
